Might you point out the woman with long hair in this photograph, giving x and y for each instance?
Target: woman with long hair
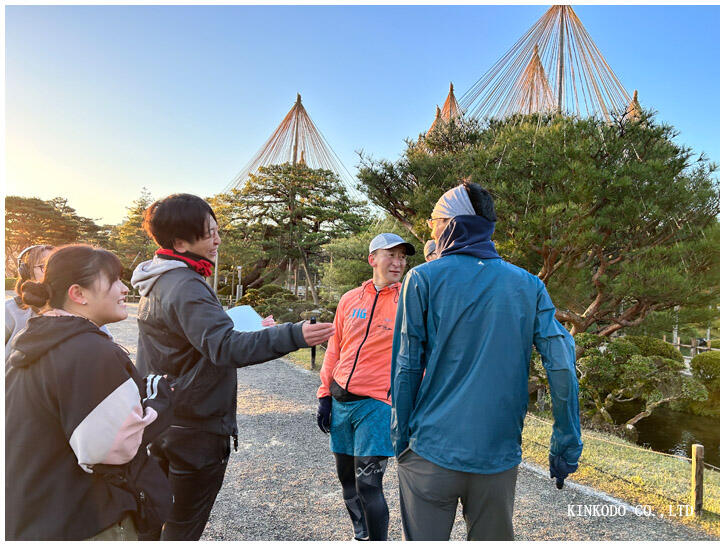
(78, 416)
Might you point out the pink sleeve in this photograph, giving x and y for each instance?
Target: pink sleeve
(111, 433)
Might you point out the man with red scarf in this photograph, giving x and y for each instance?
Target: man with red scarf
(185, 334)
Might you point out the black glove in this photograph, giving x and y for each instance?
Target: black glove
(324, 408)
(560, 469)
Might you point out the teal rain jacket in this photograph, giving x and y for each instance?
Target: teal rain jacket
(462, 345)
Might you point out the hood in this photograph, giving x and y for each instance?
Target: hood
(468, 234)
(147, 273)
(42, 334)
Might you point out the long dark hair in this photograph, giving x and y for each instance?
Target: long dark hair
(66, 266)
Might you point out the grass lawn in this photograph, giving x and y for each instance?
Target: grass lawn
(302, 358)
(632, 473)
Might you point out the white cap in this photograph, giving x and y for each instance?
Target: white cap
(389, 240)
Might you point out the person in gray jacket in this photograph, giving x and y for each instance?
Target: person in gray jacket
(185, 334)
(31, 267)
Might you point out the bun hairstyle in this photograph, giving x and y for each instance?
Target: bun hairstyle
(481, 200)
(27, 261)
(34, 294)
(66, 266)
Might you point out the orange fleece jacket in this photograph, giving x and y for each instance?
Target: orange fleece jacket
(359, 353)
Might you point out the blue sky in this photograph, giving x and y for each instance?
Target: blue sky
(104, 100)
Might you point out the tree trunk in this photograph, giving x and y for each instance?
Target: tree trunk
(273, 272)
(255, 273)
(306, 269)
(296, 283)
(647, 411)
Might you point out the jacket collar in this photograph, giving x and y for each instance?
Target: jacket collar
(369, 286)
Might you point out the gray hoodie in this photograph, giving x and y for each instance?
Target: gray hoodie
(185, 333)
(15, 320)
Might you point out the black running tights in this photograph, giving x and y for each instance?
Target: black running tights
(362, 477)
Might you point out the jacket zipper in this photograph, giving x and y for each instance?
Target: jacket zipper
(367, 331)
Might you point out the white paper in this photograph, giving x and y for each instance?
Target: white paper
(245, 318)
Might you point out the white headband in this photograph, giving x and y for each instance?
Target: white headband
(455, 202)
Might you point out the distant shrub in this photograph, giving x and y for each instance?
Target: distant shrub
(276, 300)
(650, 346)
(706, 368)
(269, 290)
(715, 343)
(225, 290)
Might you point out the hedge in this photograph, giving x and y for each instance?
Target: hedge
(650, 346)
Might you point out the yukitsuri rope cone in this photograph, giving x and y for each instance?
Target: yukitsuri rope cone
(555, 66)
(634, 110)
(450, 110)
(298, 141)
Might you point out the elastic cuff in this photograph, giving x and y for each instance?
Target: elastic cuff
(297, 336)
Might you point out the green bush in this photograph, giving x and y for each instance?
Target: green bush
(275, 300)
(251, 297)
(270, 290)
(715, 343)
(650, 346)
(225, 290)
(10, 283)
(706, 368)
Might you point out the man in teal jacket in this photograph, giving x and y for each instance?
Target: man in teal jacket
(464, 331)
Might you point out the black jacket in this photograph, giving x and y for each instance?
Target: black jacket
(73, 401)
(184, 332)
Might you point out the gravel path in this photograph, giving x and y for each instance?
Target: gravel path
(281, 484)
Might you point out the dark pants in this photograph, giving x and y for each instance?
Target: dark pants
(195, 462)
(429, 499)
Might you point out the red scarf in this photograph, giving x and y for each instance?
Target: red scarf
(199, 264)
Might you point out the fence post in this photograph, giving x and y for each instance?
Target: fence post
(693, 347)
(698, 468)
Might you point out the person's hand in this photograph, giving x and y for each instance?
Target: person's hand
(268, 321)
(324, 409)
(315, 334)
(560, 469)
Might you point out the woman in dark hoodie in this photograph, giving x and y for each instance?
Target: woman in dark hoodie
(78, 416)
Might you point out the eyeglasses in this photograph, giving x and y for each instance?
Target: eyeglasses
(41, 267)
(213, 232)
(430, 221)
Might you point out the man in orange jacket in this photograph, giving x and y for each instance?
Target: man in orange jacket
(354, 398)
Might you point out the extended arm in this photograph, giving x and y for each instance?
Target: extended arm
(558, 356)
(211, 331)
